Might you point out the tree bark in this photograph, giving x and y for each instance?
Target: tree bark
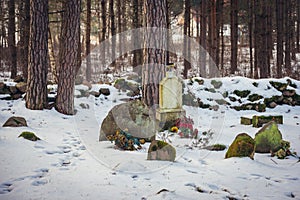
(279, 24)
(68, 55)
(203, 30)
(186, 26)
(113, 31)
(12, 39)
(36, 96)
(154, 69)
(137, 54)
(233, 35)
(24, 38)
(261, 50)
(287, 37)
(250, 27)
(103, 36)
(88, 40)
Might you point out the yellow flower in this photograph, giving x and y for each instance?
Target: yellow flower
(174, 129)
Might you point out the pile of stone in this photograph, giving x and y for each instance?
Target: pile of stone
(12, 92)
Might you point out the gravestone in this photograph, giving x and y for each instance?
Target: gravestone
(170, 97)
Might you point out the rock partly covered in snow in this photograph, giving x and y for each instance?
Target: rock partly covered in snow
(132, 116)
(159, 150)
(268, 138)
(15, 122)
(242, 146)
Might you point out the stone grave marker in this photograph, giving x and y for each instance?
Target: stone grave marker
(170, 97)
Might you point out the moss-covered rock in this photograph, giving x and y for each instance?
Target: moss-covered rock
(222, 102)
(255, 84)
(274, 99)
(254, 97)
(212, 90)
(259, 107)
(15, 122)
(216, 147)
(233, 99)
(216, 84)
(242, 146)
(258, 121)
(29, 136)
(159, 150)
(279, 86)
(124, 85)
(242, 93)
(199, 81)
(189, 99)
(268, 138)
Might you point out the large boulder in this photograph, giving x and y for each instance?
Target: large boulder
(242, 146)
(15, 122)
(159, 150)
(268, 138)
(132, 116)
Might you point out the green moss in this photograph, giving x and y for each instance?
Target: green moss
(258, 121)
(242, 146)
(161, 144)
(199, 81)
(268, 139)
(233, 99)
(222, 102)
(29, 136)
(279, 86)
(277, 99)
(255, 97)
(216, 84)
(255, 84)
(216, 147)
(251, 106)
(212, 90)
(225, 94)
(242, 93)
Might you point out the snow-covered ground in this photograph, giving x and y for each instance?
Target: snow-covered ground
(70, 163)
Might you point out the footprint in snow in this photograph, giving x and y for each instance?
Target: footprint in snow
(6, 188)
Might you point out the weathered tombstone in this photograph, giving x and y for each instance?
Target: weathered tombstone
(170, 97)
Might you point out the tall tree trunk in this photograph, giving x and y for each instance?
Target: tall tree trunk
(261, 50)
(70, 39)
(103, 36)
(155, 60)
(113, 31)
(298, 27)
(219, 25)
(287, 37)
(36, 96)
(12, 38)
(203, 30)
(137, 54)
(88, 40)
(279, 24)
(212, 31)
(24, 38)
(269, 38)
(186, 26)
(250, 27)
(233, 35)
(120, 19)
